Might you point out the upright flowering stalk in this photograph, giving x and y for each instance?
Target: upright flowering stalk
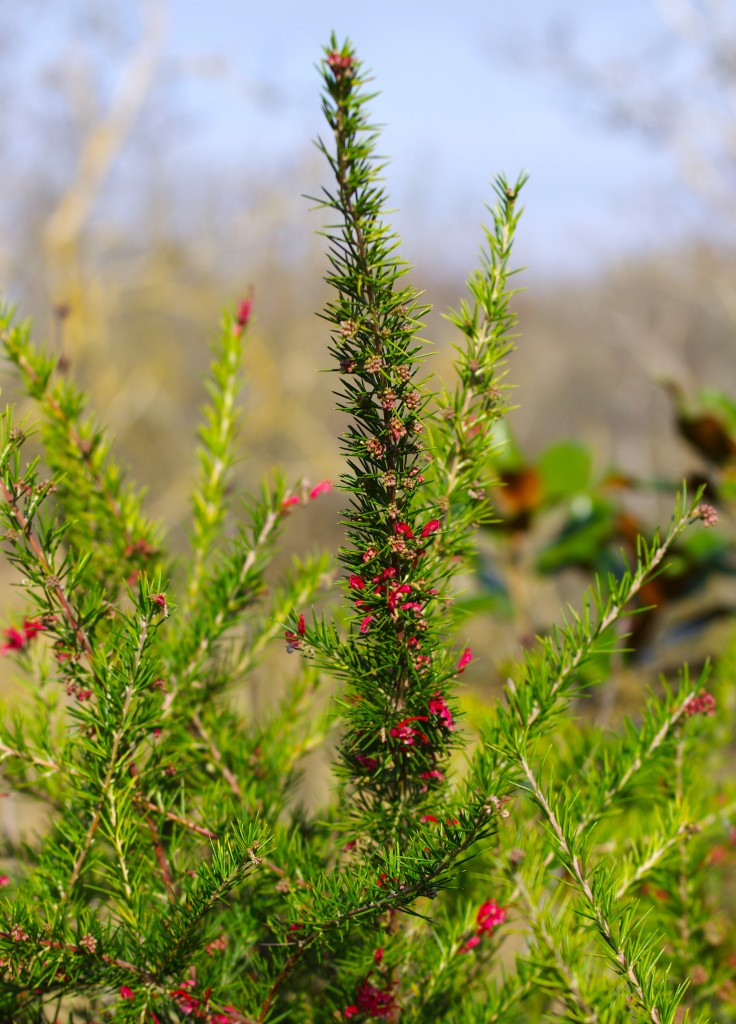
(395, 663)
(395, 746)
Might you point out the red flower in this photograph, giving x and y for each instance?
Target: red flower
(15, 640)
(244, 313)
(430, 818)
(293, 642)
(356, 583)
(465, 658)
(350, 1011)
(378, 955)
(365, 624)
(160, 600)
(470, 944)
(438, 706)
(432, 525)
(406, 733)
(369, 763)
(4, 880)
(126, 993)
(33, 626)
(18, 639)
(411, 606)
(321, 488)
(434, 774)
(405, 529)
(489, 915)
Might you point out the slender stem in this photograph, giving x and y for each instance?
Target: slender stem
(628, 969)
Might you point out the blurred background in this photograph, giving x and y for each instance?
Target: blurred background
(153, 168)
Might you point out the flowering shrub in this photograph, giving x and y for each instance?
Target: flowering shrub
(556, 871)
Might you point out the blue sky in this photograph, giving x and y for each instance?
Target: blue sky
(458, 106)
(458, 103)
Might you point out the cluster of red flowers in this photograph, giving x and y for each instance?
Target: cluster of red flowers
(372, 1000)
(702, 704)
(19, 639)
(488, 917)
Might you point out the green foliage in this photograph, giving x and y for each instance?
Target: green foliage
(559, 871)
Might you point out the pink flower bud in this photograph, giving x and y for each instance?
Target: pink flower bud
(321, 488)
(465, 658)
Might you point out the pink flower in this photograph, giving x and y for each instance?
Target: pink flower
(356, 583)
(405, 529)
(429, 818)
(470, 944)
(708, 515)
(465, 658)
(14, 641)
(489, 915)
(292, 499)
(438, 706)
(365, 624)
(434, 774)
(321, 488)
(160, 600)
(369, 554)
(126, 993)
(350, 1011)
(432, 525)
(378, 955)
(411, 606)
(4, 880)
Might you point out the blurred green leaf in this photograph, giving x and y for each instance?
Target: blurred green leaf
(565, 469)
(581, 541)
